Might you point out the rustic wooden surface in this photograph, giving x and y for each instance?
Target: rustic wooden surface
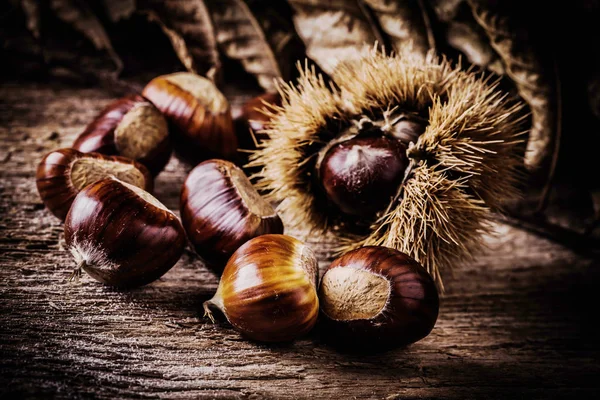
(518, 321)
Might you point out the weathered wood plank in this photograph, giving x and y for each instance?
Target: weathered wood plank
(516, 321)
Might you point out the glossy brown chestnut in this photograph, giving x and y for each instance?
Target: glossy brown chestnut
(63, 173)
(250, 113)
(268, 289)
(130, 127)
(377, 297)
(121, 235)
(221, 210)
(361, 175)
(404, 126)
(198, 113)
(407, 128)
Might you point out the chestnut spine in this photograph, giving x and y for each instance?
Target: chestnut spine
(463, 137)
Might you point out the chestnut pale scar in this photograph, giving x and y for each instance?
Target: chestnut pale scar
(349, 294)
(85, 171)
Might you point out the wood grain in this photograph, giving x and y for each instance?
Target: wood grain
(518, 321)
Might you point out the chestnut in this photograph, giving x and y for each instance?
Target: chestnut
(63, 173)
(221, 210)
(407, 127)
(377, 297)
(198, 113)
(360, 175)
(268, 289)
(251, 115)
(408, 131)
(131, 127)
(121, 235)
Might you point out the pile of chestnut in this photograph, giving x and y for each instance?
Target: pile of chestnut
(269, 289)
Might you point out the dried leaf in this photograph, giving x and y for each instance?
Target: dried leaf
(340, 31)
(534, 78)
(119, 9)
(465, 35)
(189, 27)
(241, 36)
(404, 22)
(31, 8)
(446, 10)
(334, 31)
(77, 14)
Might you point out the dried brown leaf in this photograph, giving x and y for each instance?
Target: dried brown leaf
(77, 14)
(334, 31)
(465, 35)
(340, 31)
(119, 9)
(31, 8)
(188, 26)
(404, 22)
(534, 78)
(252, 39)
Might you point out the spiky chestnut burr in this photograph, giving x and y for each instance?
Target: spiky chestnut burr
(65, 172)
(130, 127)
(198, 113)
(268, 289)
(121, 235)
(221, 210)
(463, 151)
(377, 297)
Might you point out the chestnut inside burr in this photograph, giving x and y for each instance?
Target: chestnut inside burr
(85, 171)
(362, 174)
(251, 198)
(204, 90)
(140, 130)
(349, 294)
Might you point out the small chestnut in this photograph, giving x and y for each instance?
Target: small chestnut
(199, 114)
(268, 289)
(121, 235)
(250, 113)
(221, 210)
(377, 297)
(131, 127)
(360, 175)
(63, 173)
(407, 128)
